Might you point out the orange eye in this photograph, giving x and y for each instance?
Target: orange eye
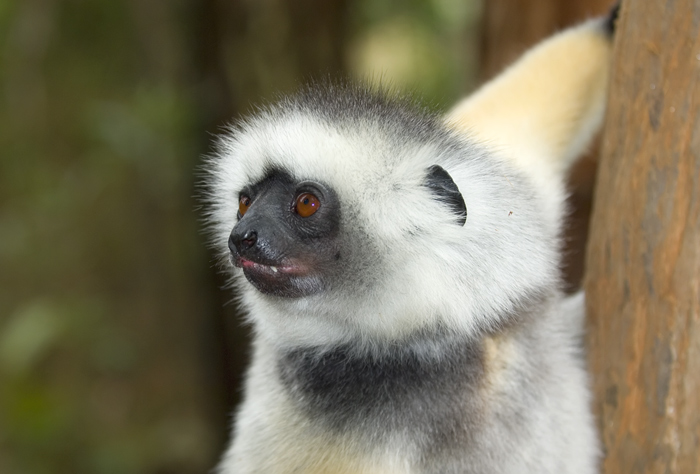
(306, 204)
(243, 205)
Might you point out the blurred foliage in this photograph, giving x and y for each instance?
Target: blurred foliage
(102, 266)
(428, 48)
(109, 357)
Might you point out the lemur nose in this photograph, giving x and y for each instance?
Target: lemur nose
(240, 243)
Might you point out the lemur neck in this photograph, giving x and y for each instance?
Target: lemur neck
(347, 386)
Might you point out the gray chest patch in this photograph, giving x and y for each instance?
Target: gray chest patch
(424, 387)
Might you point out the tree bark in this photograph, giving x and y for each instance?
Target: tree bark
(643, 264)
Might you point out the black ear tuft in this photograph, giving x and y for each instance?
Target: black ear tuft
(441, 184)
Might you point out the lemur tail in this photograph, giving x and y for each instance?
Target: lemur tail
(543, 111)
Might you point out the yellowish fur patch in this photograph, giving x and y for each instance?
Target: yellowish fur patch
(322, 455)
(499, 354)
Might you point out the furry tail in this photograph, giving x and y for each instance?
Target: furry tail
(543, 111)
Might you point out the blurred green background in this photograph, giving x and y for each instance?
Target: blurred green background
(119, 352)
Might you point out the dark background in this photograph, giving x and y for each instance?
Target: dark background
(119, 352)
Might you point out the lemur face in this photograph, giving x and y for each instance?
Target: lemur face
(285, 238)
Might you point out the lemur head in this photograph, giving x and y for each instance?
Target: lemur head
(354, 210)
(337, 191)
(345, 213)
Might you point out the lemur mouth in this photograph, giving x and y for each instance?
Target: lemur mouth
(287, 277)
(270, 269)
(291, 279)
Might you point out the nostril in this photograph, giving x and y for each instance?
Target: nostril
(249, 239)
(238, 243)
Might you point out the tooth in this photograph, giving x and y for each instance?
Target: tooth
(274, 269)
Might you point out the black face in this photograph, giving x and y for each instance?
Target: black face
(285, 238)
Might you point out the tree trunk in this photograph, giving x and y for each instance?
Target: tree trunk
(643, 277)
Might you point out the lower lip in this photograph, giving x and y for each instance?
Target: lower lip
(268, 269)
